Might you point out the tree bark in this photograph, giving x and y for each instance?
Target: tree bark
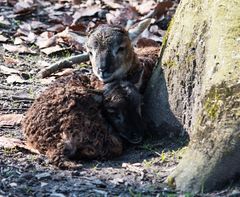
(196, 87)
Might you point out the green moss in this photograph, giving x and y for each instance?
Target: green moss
(216, 98)
(169, 64)
(171, 181)
(190, 58)
(165, 38)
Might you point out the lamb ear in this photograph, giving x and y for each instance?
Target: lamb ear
(134, 32)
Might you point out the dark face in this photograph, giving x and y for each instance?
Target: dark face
(122, 107)
(110, 52)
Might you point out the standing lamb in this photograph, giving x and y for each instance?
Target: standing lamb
(66, 121)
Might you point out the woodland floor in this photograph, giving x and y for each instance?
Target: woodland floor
(140, 171)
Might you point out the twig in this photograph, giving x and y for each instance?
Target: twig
(22, 98)
(65, 63)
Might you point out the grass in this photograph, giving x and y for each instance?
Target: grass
(9, 151)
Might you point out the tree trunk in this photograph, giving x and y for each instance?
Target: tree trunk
(196, 86)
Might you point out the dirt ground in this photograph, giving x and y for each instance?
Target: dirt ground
(140, 171)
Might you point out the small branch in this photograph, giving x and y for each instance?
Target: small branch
(65, 63)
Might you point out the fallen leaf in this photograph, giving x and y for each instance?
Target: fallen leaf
(38, 25)
(46, 39)
(24, 7)
(46, 81)
(58, 6)
(113, 4)
(7, 71)
(15, 79)
(79, 27)
(12, 2)
(18, 41)
(7, 142)
(51, 50)
(31, 38)
(10, 119)
(11, 60)
(24, 29)
(56, 28)
(72, 38)
(18, 49)
(66, 19)
(3, 38)
(160, 9)
(146, 42)
(88, 11)
(146, 6)
(76, 2)
(65, 72)
(4, 21)
(122, 16)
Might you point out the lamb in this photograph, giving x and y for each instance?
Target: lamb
(113, 57)
(66, 122)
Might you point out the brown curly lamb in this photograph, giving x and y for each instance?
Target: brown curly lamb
(66, 121)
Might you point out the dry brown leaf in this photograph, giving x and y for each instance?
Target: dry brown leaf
(10, 60)
(3, 38)
(65, 72)
(72, 38)
(24, 7)
(18, 41)
(11, 143)
(58, 6)
(8, 71)
(38, 25)
(71, 35)
(146, 6)
(10, 119)
(24, 29)
(56, 28)
(15, 79)
(113, 4)
(18, 49)
(160, 9)
(12, 2)
(4, 21)
(66, 19)
(122, 16)
(146, 42)
(46, 81)
(79, 27)
(46, 39)
(6, 142)
(31, 38)
(51, 50)
(88, 11)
